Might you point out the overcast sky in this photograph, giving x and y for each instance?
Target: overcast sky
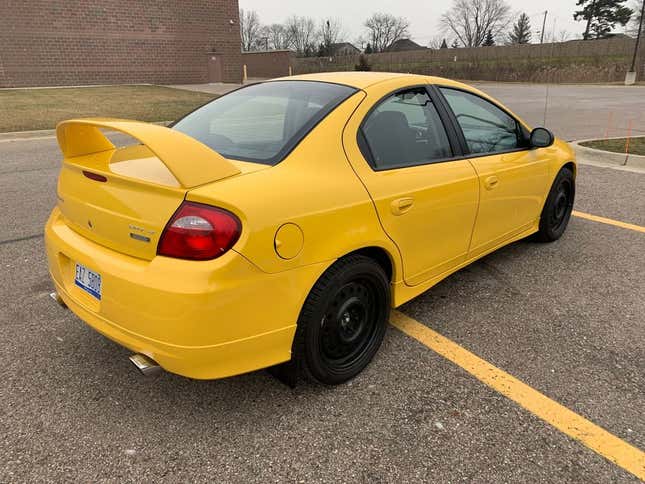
(422, 14)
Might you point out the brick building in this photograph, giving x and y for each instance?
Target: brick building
(80, 42)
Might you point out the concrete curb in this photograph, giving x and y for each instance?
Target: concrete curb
(27, 135)
(28, 88)
(607, 158)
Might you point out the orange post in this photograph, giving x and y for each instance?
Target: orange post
(629, 135)
(609, 119)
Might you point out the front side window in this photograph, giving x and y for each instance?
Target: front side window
(405, 130)
(263, 122)
(487, 128)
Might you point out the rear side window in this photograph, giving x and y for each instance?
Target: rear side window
(262, 123)
(487, 128)
(405, 130)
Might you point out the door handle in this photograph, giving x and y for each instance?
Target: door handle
(491, 182)
(401, 205)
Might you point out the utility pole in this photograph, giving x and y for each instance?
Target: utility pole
(543, 27)
(638, 38)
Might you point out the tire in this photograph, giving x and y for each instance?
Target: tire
(557, 208)
(343, 321)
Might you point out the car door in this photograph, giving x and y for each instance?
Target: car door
(512, 177)
(425, 198)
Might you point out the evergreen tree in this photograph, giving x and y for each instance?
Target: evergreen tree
(601, 16)
(368, 49)
(521, 33)
(363, 65)
(322, 51)
(489, 40)
(444, 45)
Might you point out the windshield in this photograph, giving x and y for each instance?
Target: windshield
(262, 123)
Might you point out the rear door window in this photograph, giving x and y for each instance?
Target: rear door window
(405, 130)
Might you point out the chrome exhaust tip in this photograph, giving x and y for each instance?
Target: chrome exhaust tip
(147, 366)
(58, 299)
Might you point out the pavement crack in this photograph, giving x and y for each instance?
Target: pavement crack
(21, 239)
(28, 170)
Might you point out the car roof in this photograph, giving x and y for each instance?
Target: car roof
(362, 80)
(357, 79)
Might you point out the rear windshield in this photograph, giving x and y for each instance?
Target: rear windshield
(262, 123)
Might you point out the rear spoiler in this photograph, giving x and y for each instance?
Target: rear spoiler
(191, 162)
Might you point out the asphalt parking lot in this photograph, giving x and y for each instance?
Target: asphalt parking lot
(575, 111)
(567, 319)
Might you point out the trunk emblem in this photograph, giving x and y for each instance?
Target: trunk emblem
(138, 233)
(134, 228)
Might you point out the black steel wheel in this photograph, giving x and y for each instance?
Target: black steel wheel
(343, 321)
(558, 207)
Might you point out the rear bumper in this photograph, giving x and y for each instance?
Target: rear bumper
(203, 320)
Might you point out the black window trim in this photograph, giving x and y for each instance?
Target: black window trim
(299, 136)
(453, 119)
(453, 135)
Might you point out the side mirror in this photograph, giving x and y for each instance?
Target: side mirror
(541, 138)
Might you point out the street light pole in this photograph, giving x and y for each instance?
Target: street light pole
(543, 27)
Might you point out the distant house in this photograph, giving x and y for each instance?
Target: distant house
(344, 48)
(404, 44)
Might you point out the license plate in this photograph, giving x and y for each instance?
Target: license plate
(88, 280)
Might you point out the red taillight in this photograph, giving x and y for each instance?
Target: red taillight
(199, 232)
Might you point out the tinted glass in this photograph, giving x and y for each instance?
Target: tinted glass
(263, 122)
(405, 130)
(486, 127)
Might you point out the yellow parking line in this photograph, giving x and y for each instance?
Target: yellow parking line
(597, 439)
(608, 221)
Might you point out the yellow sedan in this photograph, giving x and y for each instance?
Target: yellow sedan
(278, 224)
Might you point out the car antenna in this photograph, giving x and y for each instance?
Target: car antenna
(548, 84)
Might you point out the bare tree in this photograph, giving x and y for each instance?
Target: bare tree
(278, 37)
(436, 42)
(262, 41)
(560, 36)
(331, 32)
(385, 29)
(360, 42)
(249, 29)
(302, 33)
(471, 20)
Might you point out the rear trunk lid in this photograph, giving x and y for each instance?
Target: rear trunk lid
(122, 198)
